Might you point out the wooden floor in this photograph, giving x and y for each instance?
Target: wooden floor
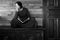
(30, 34)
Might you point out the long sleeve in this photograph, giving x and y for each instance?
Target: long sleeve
(28, 13)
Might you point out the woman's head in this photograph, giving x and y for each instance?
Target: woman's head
(19, 4)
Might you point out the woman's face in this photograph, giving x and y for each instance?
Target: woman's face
(17, 6)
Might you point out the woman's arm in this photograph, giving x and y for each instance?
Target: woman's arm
(28, 13)
(20, 20)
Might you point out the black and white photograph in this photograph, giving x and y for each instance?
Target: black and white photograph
(29, 20)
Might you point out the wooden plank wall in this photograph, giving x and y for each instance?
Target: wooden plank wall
(7, 9)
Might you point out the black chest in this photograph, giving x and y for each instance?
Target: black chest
(22, 13)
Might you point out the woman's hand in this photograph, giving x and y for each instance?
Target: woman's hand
(27, 19)
(20, 20)
(24, 20)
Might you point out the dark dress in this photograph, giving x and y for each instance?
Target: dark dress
(23, 15)
(15, 23)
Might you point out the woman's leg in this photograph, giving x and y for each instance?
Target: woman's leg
(14, 23)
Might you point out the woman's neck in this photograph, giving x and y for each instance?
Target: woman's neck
(21, 9)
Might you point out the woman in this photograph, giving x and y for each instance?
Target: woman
(22, 17)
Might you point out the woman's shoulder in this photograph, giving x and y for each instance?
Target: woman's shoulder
(25, 8)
